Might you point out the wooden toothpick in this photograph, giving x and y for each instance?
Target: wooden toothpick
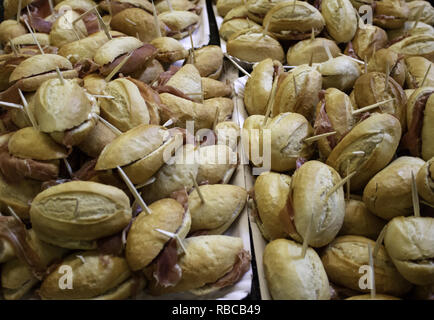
(102, 24)
(311, 59)
(19, 10)
(192, 45)
(173, 235)
(85, 14)
(425, 76)
(59, 74)
(319, 136)
(387, 77)
(109, 125)
(354, 59)
(27, 110)
(312, 35)
(270, 101)
(118, 67)
(196, 186)
(50, 3)
(14, 49)
(156, 21)
(327, 49)
(12, 105)
(237, 65)
(68, 167)
(340, 184)
(415, 196)
(372, 106)
(13, 213)
(307, 236)
(133, 190)
(34, 37)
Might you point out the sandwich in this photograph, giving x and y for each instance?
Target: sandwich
(10, 29)
(65, 111)
(257, 90)
(416, 45)
(208, 60)
(425, 181)
(271, 191)
(367, 38)
(334, 112)
(140, 152)
(76, 214)
(313, 214)
(136, 22)
(213, 88)
(96, 277)
(388, 194)
(116, 6)
(147, 248)
(390, 14)
(293, 21)
(408, 241)
(426, 11)
(217, 163)
(30, 154)
(343, 258)
(258, 9)
(113, 52)
(384, 60)
(298, 92)
(224, 6)
(179, 22)
(213, 262)
(419, 110)
(254, 45)
(293, 277)
(301, 52)
(360, 221)
(416, 67)
(228, 134)
(340, 73)
(169, 50)
(222, 205)
(287, 133)
(366, 149)
(340, 19)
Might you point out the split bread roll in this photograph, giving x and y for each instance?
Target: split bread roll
(359, 221)
(258, 86)
(290, 276)
(140, 152)
(144, 243)
(366, 149)
(223, 203)
(271, 193)
(212, 263)
(388, 193)
(75, 214)
(208, 60)
(425, 181)
(92, 279)
(252, 45)
(217, 163)
(343, 258)
(287, 132)
(340, 19)
(301, 52)
(410, 243)
(315, 214)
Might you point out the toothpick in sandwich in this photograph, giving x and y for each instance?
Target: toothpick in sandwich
(133, 190)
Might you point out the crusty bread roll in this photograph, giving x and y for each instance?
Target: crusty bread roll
(217, 163)
(223, 203)
(92, 279)
(187, 80)
(140, 151)
(313, 206)
(416, 45)
(258, 86)
(133, 21)
(209, 258)
(10, 29)
(385, 59)
(292, 277)
(271, 197)
(367, 38)
(144, 243)
(410, 243)
(388, 193)
(114, 48)
(340, 19)
(377, 138)
(301, 51)
(127, 109)
(340, 73)
(214, 88)
(343, 258)
(359, 221)
(417, 67)
(208, 60)
(287, 130)
(63, 31)
(425, 181)
(391, 14)
(75, 214)
(169, 49)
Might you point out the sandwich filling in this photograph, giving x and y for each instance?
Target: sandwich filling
(412, 140)
(323, 123)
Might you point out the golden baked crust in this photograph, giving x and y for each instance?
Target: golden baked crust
(291, 277)
(301, 52)
(340, 19)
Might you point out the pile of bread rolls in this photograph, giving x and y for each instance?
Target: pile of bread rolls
(346, 104)
(104, 192)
